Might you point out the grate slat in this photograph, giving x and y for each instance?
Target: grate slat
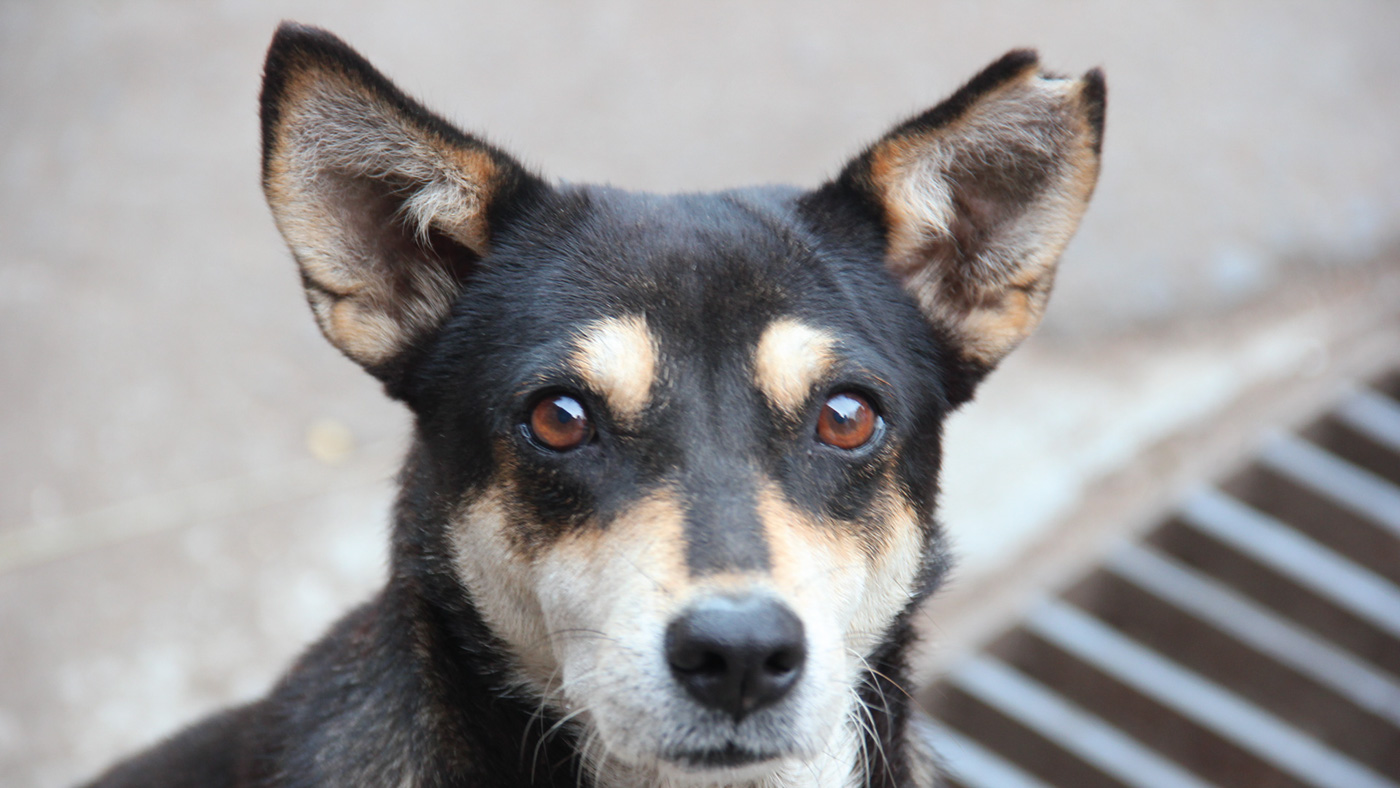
(1375, 415)
(1353, 488)
(976, 766)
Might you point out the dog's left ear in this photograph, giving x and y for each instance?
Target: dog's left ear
(978, 196)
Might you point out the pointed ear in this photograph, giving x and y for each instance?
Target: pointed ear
(978, 196)
(386, 207)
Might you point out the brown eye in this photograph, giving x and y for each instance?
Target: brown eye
(560, 422)
(847, 421)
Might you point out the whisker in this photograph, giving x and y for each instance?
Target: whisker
(544, 738)
(537, 716)
(891, 681)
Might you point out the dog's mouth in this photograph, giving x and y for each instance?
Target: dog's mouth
(730, 756)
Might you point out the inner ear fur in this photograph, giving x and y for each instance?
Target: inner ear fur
(386, 207)
(979, 195)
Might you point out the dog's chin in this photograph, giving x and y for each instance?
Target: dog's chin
(730, 765)
(707, 758)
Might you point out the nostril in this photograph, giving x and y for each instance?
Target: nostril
(736, 654)
(698, 661)
(784, 661)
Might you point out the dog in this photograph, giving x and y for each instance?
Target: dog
(670, 503)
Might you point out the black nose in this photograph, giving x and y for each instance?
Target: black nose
(737, 654)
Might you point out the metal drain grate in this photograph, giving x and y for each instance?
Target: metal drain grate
(1251, 639)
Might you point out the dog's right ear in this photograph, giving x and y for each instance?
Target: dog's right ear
(386, 207)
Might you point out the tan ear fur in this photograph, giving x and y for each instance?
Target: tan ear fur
(383, 205)
(981, 194)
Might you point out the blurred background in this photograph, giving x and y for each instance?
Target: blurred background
(193, 484)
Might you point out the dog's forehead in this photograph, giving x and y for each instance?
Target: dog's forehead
(697, 254)
(706, 274)
(715, 277)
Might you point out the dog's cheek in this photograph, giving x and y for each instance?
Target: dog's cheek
(606, 592)
(850, 579)
(494, 566)
(894, 555)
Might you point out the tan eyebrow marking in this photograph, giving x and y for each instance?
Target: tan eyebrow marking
(790, 359)
(617, 358)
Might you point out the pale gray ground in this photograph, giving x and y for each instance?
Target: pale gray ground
(192, 483)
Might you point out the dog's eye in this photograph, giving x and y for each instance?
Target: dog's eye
(560, 422)
(847, 421)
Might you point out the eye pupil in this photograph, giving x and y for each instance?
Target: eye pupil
(560, 422)
(563, 413)
(847, 421)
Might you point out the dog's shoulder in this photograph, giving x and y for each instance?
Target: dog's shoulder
(211, 754)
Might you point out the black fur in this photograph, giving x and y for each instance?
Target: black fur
(415, 682)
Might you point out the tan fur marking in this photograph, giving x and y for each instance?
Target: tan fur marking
(491, 564)
(607, 593)
(539, 597)
(796, 541)
(893, 568)
(859, 574)
(617, 358)
(790, 359)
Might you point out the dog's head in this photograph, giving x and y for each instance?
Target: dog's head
(680, 452)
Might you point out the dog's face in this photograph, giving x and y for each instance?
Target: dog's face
(704, 474)
(683, 449)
